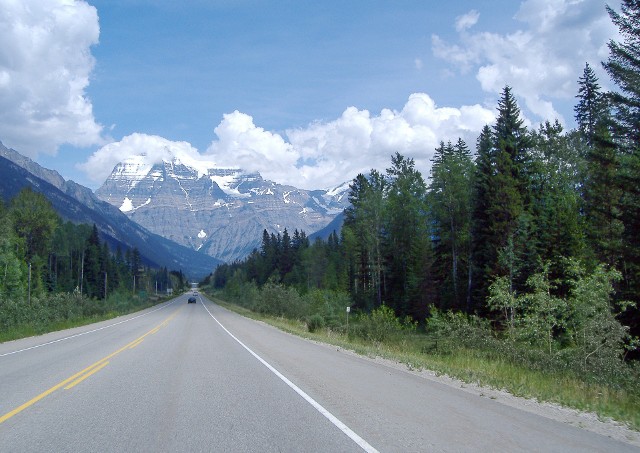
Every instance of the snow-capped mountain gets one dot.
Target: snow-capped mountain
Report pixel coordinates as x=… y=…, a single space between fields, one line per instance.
x=78 y=204
x=221 y=212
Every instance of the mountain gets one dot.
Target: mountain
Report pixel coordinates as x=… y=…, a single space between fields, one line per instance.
x=219 y=211
x=78 y=204
x=335 y=225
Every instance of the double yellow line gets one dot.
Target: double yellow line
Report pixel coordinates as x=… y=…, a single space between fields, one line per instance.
x=80 y=376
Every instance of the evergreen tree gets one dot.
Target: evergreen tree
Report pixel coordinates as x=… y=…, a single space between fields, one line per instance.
x=450 y=194
x=93 y=277
x=502 y=227
x=363 y=239
x=483 y=253
x=286 y=259
x=591 y=108
x=408 y=247
x=623 y=66
x=558 y=226
x=603 y=196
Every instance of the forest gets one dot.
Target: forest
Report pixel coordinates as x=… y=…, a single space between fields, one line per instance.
x=525 y=242
x=55 y=273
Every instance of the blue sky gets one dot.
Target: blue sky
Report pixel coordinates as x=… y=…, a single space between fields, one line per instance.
x=307 y=93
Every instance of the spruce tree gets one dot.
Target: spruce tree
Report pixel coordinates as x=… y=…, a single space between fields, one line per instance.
x=591 y=108
x=408 y=249
x=502 y=224
x=450 y=194
x=623 y=66
x=483 y=252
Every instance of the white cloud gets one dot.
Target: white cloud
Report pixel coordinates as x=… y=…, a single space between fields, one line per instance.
x=321 y=155
x=467 y=20
x=152 y=148
x=45 y=63
x=242 y=144
x=543 y=60
x=419 y=64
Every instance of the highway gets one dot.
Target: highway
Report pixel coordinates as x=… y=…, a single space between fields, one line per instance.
x=196 y=377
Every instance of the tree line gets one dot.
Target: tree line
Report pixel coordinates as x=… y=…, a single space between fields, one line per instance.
x=45 y=262
x=527 y=213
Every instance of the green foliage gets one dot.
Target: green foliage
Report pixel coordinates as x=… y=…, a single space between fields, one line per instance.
x=59 y=274
x=329 y=305
x=455 y=330
x=315 y=322
x=47 y=312
x=381 y=325
x=600 y=339
x=34 y=221
x=591 y=108
x=278 y=300
x=451 y=192
x=579 y=332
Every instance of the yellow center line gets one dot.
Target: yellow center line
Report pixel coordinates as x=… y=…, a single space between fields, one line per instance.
x=136 y=343
x=89 y=370
x=83 y=377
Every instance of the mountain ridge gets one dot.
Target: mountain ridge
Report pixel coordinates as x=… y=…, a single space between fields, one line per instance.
x=219 y=211
x=78 y=204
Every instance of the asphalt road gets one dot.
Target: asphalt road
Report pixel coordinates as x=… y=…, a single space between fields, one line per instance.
x=195 y=377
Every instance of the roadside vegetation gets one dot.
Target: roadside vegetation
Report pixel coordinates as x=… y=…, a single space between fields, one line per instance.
x=56 y=275
x=516 y=266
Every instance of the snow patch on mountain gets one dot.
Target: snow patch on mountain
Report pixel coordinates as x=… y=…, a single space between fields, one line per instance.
x=127 y=205
x=226 y=181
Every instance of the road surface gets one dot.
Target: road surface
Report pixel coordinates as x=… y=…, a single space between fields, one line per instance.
x=196 y=377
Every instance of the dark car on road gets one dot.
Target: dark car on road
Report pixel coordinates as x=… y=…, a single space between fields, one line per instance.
x=192 y=300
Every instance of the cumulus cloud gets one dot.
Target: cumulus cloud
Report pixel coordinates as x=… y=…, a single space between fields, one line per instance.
x=242 y=144
x=45 y=63
x=321 y=155
x=467 y=21
x=543 y=60
x=357 y=141
x=152 y=148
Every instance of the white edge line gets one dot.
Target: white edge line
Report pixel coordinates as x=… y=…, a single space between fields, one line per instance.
x=332 y=418
x=84 y=333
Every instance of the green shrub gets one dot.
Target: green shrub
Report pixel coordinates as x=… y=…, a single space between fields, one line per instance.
x=278 y=300
x=454 y=330
x=381 y=325
x=315 y=322
x=330 y=305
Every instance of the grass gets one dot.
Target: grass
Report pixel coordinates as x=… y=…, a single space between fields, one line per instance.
x=474 y=366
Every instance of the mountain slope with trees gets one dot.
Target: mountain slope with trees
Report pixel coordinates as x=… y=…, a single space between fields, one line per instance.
x=78 y=205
